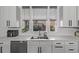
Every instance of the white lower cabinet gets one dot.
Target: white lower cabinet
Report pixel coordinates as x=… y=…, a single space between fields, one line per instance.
x=64 y=46
x=57 y=46
x=39 y=46
x=52 y=46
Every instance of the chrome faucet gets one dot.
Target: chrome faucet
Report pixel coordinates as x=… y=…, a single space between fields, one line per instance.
x=39 y=31
x=39 y=34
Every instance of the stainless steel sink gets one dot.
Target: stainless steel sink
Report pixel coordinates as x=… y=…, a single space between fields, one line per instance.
x=39 y=37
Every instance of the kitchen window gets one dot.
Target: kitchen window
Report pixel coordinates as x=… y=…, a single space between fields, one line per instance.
x=25 y=26
x=52 y=25
x=39 y=25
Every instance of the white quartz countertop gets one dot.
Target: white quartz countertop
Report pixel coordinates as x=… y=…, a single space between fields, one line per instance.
x=24 y=37
x=63 y=38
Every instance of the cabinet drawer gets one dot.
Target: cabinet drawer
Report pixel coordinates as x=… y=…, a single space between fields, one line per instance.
x=58 y=49
x=71 y=43
x=71 y=49
x=59 y=43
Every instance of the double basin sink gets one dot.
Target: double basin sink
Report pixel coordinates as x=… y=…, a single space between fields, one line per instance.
x=39 y=37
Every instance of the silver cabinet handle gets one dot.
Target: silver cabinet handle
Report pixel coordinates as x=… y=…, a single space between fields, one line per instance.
x=58 y=46
x=1 y=43
x=1 y=49
x=70 y=22
x=58 y=43
x=8 y=23
x=71 y=49
x=38 y=50
x=78 y=23
x=71 y=43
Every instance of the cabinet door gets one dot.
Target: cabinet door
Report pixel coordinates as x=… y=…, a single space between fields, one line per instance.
x=45 y=46
x=33 y=46
x=12 y=16
x=26 y=14
x=3 y=17
x=53 y=13
x=77 y=16
x=69 y=16
x=39 y=13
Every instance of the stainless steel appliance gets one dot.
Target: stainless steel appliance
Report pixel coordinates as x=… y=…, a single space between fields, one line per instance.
x=12 y=33
x=18 y=47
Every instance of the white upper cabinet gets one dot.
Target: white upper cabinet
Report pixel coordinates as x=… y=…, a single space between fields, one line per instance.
x=26 y=12
x=69 y=16
x=77 y=16
x=39 y=12
x=53 y=12
x=3 y=17
x=78 y=12
x=13 y=16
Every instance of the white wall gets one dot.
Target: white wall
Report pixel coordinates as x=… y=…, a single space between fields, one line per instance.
x=3 y=18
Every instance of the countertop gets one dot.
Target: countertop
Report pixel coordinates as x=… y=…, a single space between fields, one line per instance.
x=64 y=38
x=21 y=37
x=24 y=37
